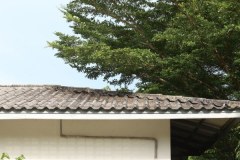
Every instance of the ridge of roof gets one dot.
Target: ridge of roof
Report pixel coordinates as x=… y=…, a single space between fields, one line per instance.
x=87 y=89
x=75 y=89
x=106 y=92
x=51 y=86
x=28 y=85
x=44 y=85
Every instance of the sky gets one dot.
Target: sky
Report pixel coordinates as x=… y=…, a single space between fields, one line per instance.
x=26 y=26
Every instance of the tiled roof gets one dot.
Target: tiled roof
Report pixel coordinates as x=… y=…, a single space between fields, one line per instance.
x=188 y=137
x=60 y=98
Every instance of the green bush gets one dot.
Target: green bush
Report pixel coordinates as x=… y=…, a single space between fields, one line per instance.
x=5 y=156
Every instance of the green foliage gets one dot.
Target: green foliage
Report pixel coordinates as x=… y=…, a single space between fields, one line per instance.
x=172 y=47
x=228 y=148
x=5 y=156
x=107 y=88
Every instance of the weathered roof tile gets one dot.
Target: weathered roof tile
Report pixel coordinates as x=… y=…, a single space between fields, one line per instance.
x=29 y=97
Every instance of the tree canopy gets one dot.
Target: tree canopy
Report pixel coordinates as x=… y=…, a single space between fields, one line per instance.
x=179 y=47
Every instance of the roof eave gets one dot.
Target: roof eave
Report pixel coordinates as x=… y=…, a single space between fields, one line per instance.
x=120 y=116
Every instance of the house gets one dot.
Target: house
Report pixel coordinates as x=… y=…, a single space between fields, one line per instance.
x=59 y=123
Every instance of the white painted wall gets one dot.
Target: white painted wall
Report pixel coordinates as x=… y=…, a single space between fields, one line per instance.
x=40 y=139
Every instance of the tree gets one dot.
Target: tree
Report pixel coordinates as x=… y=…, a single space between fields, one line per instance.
x=172 y=46
x=177 y=47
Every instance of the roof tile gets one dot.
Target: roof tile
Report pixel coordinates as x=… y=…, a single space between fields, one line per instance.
x=30 y=97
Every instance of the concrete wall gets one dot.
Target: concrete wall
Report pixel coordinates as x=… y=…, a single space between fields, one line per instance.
x=40 y=139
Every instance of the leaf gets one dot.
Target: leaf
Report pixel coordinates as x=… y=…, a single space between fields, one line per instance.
x=21 y=157
x=4 y=156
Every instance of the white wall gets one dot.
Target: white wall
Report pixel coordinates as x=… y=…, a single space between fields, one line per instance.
x=40 y=139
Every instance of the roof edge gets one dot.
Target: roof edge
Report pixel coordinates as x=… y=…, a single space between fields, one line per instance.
x=90 y=116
